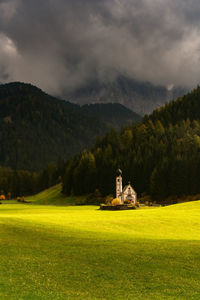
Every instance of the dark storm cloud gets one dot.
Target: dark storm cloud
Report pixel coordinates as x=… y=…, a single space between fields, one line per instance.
x=57 y=44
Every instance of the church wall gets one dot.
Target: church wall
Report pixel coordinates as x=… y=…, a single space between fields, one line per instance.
x=127 y=192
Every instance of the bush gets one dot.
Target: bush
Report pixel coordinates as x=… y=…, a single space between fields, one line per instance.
x=94 y=198
x=116 y=201
x=81 y=201
x=145 y=199
x=108 y=199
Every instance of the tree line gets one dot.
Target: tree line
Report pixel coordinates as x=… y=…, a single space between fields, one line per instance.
x=18 y=183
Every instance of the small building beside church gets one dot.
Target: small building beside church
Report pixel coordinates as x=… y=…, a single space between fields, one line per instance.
x=126 y=194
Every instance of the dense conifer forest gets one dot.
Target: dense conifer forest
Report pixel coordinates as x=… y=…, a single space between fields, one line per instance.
x=160 y=156
x=17 y=183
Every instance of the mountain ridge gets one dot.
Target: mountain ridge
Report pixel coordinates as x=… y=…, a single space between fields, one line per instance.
x=36 y=128
x=141 y=97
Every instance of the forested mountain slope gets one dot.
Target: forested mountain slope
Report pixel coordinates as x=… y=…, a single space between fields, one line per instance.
x=160 y=156
x=186 y=107
x=36 y=128
x=112 y=114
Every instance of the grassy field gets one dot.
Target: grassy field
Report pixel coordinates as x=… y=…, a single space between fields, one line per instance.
x=70 y=252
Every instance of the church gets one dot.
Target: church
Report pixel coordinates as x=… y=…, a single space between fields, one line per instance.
x=126 y=194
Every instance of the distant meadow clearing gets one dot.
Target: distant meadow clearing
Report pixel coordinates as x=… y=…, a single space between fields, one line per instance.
x=80 y=252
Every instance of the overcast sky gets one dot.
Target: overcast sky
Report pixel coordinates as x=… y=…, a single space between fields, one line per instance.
x=57 y=44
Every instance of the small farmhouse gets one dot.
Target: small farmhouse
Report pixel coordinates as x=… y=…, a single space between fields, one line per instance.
x=126 y=194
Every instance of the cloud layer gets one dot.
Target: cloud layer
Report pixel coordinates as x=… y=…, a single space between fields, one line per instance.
x=59 y=44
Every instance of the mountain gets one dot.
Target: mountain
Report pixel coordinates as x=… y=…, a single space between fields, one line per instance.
x=141 y=97
x=36 y=128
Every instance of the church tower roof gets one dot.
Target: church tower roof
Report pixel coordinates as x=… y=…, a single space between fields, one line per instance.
x=119 y=172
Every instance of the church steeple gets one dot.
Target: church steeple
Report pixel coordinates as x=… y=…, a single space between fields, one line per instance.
x=119 y=184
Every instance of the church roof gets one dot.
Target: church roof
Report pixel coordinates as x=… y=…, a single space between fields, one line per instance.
x=126 y=187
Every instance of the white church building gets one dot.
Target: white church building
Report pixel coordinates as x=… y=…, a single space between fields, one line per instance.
x=127 y=193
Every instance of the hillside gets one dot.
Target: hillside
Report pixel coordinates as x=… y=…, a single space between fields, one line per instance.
x=186 y=107
x=36 y=128
x=160 y=156
x=50 y=252
x=112 y=114
x=53 y=196
x=141 y=97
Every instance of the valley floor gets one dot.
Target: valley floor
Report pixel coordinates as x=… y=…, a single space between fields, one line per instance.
x=51 y=252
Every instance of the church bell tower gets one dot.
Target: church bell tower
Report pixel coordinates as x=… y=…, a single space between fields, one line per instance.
x=119 y=184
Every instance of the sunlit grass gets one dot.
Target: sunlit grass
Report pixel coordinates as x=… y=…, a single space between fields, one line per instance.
x=52 y=252
x=54 y=196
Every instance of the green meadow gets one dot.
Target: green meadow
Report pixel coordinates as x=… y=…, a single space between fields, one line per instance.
x=79 y=252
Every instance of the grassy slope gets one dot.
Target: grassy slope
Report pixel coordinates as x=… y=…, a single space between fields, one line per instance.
x=50 y=252
x=53 y=196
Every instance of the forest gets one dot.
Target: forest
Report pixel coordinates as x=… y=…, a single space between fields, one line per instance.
x=18 y=183
x=160 y=156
